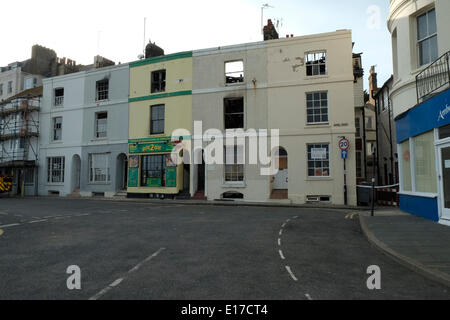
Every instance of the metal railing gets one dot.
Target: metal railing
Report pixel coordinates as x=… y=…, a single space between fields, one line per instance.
x=433 y=78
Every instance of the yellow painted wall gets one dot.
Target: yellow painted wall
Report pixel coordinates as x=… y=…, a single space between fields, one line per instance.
x=178 y=77
x=178 y=114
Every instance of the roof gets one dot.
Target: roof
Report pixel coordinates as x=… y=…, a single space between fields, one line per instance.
x=29 y=93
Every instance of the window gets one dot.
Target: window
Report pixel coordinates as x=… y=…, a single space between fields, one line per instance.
x=406 y=166
x=57 y=128
x=153 y=173
x=101 y=124
x=55 y=169
x=234 y=113
x=99 y=168
x=318 y=160
x=1 y=89
x=102 y=90
x=59 y=96
x=427 y=37
x=158 y=81
x=21 y=143
x=317 y=107
x=10 y=87
x=316 y=64
x=369 y=123
x=30 y=83
x=234 y=72
x=157 y=119
x=424 y=163
x=234 y=163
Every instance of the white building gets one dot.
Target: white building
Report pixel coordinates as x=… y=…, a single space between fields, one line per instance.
x=421 y=102
x=302 y=86
x=85 y=137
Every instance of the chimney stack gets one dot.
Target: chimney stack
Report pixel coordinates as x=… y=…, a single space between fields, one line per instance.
x=270 y=33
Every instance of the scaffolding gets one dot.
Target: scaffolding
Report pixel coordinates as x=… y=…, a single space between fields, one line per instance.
x=19 y=137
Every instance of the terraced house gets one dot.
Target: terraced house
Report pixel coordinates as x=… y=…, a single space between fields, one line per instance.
x=83 y=141
x=160 y=102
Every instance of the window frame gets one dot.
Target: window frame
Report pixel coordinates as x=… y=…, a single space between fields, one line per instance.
x=237 y=167
x=92 y=167
x=427 y=37
x=316 y=63
x=152 y=121
x=97 y=132
x=102 y=93
x=54 y=128
x=313 y=93
x=160 y=83
x=58 y=101
x=241 y=80
x=318 y=145
x=51 y=169
x=225 y=113
x=143 y=175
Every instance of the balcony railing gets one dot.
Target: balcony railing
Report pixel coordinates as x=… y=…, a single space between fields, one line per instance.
x=436 y=76
x=59 y=101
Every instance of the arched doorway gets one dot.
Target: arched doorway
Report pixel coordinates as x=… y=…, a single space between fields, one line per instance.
x=122 y=171
x=280 y=179
x=76 y=173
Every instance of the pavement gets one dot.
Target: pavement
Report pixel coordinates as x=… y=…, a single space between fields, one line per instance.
x=418 y=244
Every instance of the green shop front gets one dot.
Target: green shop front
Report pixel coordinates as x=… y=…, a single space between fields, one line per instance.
x=151 y=169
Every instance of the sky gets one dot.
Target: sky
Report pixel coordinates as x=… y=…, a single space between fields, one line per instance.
x=81 y=29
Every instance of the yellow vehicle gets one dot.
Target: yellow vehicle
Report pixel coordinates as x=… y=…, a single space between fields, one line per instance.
x=6 y=183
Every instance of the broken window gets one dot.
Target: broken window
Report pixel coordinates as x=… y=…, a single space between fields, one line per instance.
x=234 y=113
x=57 y=128
x=101 y=119
x=234 y=72
x=59 y=96
x=316 y=64
x=102 y=90
x=158 y=81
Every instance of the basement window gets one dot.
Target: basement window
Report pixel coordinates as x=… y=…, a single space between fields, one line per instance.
x=316 y=63
x=232 y=195
x=234 y=72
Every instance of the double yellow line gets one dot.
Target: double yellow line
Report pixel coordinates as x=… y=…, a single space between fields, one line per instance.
x=351 y=215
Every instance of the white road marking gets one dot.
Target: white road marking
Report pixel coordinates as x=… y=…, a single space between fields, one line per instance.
x=281 y=254
x=82 y=215
x=279 y=242
x=36 y=221
x=296 y=217
x=283 y=225
x=288 y=220
x=118 y=281
x=10 y=225
x=281 y=232
x=308 y=297
x=290 y=273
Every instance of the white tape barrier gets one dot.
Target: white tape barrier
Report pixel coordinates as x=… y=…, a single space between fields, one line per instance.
x=380 y=187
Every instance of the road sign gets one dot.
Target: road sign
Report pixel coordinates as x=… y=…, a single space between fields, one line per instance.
x=344 y=144
x=344 y=154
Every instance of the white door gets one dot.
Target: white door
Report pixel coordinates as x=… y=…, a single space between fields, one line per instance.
x=444 y=180
x=281 y=180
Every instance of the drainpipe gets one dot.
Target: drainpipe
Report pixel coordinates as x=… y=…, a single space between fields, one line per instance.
x=364 y=141
x=390 y=137
x=377 y=155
